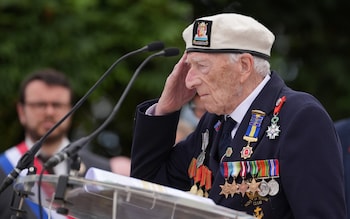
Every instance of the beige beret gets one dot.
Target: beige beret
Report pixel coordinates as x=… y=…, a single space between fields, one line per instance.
x=228 y=32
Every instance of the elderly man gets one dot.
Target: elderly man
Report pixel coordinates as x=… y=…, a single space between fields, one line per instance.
x=261 y=148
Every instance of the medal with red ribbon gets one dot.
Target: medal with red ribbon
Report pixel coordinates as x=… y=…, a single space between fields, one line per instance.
x=253 y=184
x=225 y=171
x=201 y=175
x=274 y=129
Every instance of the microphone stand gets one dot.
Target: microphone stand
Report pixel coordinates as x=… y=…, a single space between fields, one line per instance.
x=73 y=148
x=26 y=161
x=18 y=213
x=28 y=157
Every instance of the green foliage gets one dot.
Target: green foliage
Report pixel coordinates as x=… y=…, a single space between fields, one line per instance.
x=83 y=38
x=312 y=45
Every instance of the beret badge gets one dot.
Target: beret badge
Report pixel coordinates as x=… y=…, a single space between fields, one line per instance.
x=201 y=33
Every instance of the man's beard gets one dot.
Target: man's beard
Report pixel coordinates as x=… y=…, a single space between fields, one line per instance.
x=53 y=137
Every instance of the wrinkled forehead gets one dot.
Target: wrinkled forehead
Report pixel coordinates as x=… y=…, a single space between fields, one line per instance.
x=206 y=57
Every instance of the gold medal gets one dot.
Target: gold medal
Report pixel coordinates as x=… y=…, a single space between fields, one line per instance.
x=194 y=189
x=225 y=189
x=200 y=192
x=233 y=188
x=253 y=186
x=243 y=187
x=206 y=194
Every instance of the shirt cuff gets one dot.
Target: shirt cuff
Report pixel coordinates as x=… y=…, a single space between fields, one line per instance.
x=151 y=110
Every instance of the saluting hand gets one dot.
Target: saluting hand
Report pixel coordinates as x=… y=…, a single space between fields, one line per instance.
x=175 y=93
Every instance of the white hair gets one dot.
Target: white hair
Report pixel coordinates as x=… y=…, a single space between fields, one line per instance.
x=261 y=66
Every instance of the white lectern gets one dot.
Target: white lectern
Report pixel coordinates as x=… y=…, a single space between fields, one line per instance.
x=87 y=199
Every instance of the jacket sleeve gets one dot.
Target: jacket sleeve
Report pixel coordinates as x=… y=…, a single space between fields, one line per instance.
x=153 y=157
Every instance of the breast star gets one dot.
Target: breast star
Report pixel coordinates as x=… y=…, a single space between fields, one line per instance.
x=225 y=189
x=253 y=186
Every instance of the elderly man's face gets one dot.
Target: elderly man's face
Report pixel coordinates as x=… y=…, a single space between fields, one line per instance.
x=217 y=81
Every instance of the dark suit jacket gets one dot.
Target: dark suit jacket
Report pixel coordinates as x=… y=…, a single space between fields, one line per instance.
x=311 y=182
x=343 y=129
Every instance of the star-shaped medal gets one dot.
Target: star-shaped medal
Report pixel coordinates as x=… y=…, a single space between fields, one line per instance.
x=225 y=189
x=273 y=131
x=233 y=188
x=242 y=188
x=254 y=186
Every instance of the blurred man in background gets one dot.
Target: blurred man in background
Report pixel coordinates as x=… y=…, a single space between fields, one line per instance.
x=44 y=98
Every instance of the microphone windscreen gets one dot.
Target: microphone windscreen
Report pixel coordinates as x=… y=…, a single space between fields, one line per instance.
x=171 y=52
x=155 y=46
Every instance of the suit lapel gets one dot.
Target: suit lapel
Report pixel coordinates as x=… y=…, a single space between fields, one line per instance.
x=265 y=103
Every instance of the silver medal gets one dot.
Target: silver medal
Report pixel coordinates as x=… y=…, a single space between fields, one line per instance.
x=205 y=142
x=200 y=159
x=264 y=188
x=274 y=187
x=273 y=131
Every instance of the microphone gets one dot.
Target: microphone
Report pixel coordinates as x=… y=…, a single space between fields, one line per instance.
x=74 y=147
x=27 y=159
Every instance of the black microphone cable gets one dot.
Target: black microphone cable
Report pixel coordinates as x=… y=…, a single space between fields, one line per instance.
x=74 y=147
x=27 y=159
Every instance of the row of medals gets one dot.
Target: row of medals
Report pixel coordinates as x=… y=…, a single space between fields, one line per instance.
x=250 y=187
x=262 y=186
x=247 y=186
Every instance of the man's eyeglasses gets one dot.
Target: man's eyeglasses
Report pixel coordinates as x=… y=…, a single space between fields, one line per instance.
x=41 y=106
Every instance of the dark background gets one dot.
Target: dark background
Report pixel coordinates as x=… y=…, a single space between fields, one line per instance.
x=84 y=37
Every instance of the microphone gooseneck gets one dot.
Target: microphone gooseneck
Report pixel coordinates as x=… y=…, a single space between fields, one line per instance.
x=27 y=159
x=74 y=147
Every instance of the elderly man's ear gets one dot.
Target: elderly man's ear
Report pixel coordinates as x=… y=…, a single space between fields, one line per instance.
x=246 y=62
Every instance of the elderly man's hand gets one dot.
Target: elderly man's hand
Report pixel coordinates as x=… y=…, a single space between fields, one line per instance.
x=175 y=93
